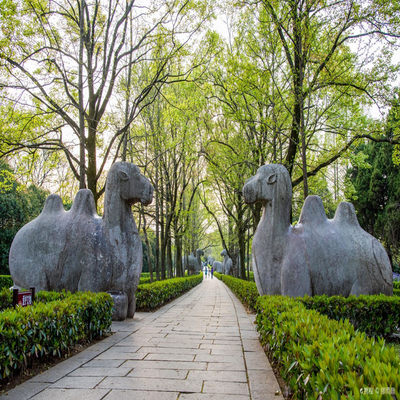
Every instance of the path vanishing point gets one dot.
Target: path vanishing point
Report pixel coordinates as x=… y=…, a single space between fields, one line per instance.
x=203 y=345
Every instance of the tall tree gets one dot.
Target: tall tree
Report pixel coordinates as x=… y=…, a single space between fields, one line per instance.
x=316 y=63
x=375 y=187
x=66 y=59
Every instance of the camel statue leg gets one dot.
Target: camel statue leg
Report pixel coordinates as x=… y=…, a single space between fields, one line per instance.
x=131 y=304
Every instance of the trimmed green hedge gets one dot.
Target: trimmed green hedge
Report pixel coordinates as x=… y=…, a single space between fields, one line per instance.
x=323 y=358
x=42 y=297
x=396 y=285
x=6 y=281
x=246 y=291
x=153 y=295
x=377 y=315
x=51 y=328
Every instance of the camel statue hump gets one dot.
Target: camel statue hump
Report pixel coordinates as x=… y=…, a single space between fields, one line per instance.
x=84 y=204
x=346 y=214
x=313 y=212
x=53 y=205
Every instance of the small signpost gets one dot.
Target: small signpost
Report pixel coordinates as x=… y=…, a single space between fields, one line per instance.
x=25 y=298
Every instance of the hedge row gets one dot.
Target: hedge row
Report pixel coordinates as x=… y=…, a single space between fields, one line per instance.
x=322 y=358
x=396 y=285
x=375 y=315
x=5 y=281
x=42 y=296
x=153 y=295
x=51 y=328
x=246 y=291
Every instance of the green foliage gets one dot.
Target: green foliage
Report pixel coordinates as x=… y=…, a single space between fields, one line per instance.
x=322 y=358
x=18 y=206
x=5 y=281
x=374 y=315
x=246 y=291
x=5 y=298
x=375 y=186
x=143 y=281
x=153 y=295
x=51 y=328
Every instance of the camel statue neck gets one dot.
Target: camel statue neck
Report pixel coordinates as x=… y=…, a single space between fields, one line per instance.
x=117 y=213
x=276 y=214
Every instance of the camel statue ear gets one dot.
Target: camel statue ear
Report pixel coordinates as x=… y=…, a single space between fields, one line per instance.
x=271 y=179
x=123 y=175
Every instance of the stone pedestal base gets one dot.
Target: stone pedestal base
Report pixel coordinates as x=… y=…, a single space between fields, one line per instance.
x=120 y=307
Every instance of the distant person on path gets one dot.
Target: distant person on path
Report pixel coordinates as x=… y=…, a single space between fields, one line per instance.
x=212 y=272
x=205 y=272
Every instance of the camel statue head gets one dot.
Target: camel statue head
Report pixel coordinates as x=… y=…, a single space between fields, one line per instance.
x=131 y=184
x=271 y=182
x=224 y=253
x=199 y=253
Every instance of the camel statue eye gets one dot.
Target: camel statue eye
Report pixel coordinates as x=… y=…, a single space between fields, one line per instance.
x=271 y=179
x=123 y=175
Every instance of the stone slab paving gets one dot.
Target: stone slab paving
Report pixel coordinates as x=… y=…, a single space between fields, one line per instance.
x=201 y=346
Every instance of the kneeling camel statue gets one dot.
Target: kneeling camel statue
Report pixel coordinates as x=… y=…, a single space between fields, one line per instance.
x=318 y=255
x=78 y=250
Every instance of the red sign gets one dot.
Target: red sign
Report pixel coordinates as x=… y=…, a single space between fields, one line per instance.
x=25 y=299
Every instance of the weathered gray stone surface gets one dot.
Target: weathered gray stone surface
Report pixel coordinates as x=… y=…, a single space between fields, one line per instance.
x=227 y=264
x=193 y=262
x=218 y=266
x=318 y=255
x=78 y=250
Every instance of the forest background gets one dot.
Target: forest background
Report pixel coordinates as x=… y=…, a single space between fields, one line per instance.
x=199 y=94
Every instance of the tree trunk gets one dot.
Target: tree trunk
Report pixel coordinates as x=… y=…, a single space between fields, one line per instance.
x=157 y=195
x=92 y=167
x=169 y=257
x=178 y=252
x=149 y=250
x=82 y=138
x=162 y=228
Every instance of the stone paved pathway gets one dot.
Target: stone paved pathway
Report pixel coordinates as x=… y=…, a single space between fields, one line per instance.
x=201 y=346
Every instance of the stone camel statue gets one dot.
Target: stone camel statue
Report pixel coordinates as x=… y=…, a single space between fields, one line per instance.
x=318 y=255
x=78 y=250
x=227 y=264
x=193 y=262
x=218 y=266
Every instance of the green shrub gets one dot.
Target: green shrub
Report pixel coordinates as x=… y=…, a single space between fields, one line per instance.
x=375 y=315
x=6 y=281
x=246 y=291
x=396 y=285
x=5 y=298
x=143 y=281
x=396 y=292
x=51 y=328
x=323 y=358
x=153 y=295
